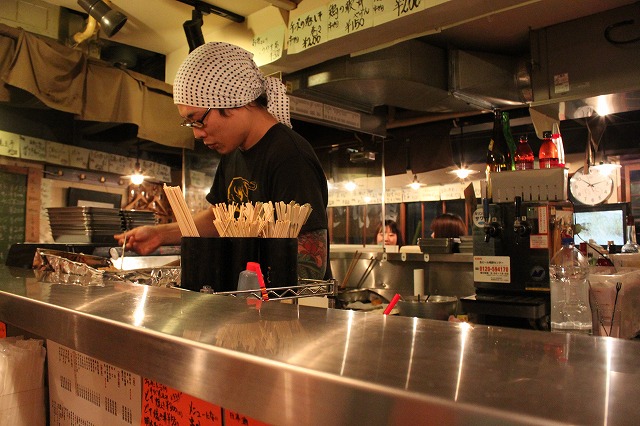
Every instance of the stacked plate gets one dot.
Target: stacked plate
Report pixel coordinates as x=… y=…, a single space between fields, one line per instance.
x=134 y=218
x=84 y=224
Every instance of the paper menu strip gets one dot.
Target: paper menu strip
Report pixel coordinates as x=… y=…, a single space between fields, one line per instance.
x=85 y=390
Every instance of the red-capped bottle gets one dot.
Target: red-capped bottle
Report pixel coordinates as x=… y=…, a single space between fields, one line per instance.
x=524 y=155
x=548 y=155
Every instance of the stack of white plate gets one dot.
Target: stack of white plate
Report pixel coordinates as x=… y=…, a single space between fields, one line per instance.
x=84 y=224
x=134 y=218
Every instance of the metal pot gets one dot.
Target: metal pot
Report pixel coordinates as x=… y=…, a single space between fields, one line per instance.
x=343 y=298
x=435 y=307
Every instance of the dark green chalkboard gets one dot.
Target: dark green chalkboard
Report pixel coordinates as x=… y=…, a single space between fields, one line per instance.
x=13 y=207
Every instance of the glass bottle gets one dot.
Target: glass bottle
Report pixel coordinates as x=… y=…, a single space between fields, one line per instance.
x=569 y=284
x=524 y=155
x=510 y=144
x=556 y=137
x=631 y=246
x=548 y=154
x=496 y=152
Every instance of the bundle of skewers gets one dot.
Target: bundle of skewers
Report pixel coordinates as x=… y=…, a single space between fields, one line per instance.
x=267 y=220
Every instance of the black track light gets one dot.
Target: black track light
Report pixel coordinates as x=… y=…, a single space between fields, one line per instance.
x=193 y=30
x=110 y=20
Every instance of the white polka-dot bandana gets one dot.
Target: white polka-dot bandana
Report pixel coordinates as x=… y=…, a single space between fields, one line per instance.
x=221 y=75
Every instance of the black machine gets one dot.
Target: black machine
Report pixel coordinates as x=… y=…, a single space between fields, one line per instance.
x=513 y=242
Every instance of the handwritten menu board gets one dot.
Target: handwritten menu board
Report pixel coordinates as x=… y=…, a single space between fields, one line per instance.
x=79 y=157
x=388 y=10
x=98 y=161
x=86 y=391
x=9 y=144
x=347 y=16
x=162 y=405
x=268 y=46
x=148 y=167
x=33 y=148
x=231 y=418
x=58 y=153
x=118 y=164
x=13 y=205
x=393 y=196
x=306 y=30
x=338 y=18
x=163 y=172
x=341 y=197
x=452 y=191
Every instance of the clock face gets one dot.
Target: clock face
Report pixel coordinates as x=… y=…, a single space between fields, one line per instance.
x=592 y=188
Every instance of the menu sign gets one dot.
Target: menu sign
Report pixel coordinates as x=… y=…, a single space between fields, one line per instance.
x=84 y=390
x=79 y=157
x=164 y=405
x=33 y=149
x=348 y=16
x=267 y=47
x=9 y=144
x=306 y=30
x=58 y=153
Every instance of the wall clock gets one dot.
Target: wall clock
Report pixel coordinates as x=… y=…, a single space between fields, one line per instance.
x=592 y=188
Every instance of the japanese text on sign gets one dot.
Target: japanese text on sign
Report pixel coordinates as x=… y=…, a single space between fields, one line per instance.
x=164 y=405
x=492 y=269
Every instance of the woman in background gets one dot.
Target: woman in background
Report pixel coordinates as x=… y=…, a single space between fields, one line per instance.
x=391 y=235
x=448 y=225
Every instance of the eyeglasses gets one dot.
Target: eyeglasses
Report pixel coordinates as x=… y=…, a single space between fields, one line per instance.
x=198 y=124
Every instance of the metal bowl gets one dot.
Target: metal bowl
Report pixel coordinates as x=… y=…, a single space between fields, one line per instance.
x=344 y=298
x=436 y=307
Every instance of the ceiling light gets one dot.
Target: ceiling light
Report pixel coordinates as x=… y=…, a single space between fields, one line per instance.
x=415 y=184
x=463 y=172
x=110 y=20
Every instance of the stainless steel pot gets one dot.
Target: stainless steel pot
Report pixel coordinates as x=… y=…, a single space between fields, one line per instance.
x=364 y=295
x=435 y=307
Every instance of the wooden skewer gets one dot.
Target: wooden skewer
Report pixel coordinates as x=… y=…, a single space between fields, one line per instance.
x=350 y=269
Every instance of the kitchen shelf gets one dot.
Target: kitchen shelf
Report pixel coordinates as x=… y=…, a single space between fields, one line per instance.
x=305 y=288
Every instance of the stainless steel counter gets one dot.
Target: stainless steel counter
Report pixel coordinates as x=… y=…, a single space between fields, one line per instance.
x=289 y=364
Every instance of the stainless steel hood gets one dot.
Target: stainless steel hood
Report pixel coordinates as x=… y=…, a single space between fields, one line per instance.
x=588 y=66
x=414 y=76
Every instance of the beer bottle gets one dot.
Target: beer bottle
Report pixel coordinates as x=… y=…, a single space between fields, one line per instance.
x=510 y=144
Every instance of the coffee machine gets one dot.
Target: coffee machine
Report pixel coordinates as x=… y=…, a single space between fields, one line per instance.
x=516 y=232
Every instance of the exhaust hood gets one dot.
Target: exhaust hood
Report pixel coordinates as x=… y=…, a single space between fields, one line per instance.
x=414 y=76
x=588 y=66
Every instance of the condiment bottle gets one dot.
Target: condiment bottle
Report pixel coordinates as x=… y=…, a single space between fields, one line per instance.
x=524 y=155
x=548 y=155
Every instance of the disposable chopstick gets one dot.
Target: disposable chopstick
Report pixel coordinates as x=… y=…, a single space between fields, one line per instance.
x=181 y=211
x=351 y=267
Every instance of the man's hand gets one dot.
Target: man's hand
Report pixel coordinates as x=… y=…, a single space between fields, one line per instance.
x=143 y=240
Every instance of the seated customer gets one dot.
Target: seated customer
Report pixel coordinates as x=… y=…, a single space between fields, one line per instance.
x=391 y=235
x=448 y=225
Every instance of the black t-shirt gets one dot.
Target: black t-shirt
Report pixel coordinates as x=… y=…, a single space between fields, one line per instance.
x=282 y=166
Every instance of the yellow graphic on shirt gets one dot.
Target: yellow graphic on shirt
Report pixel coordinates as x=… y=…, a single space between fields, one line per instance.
x=238 y=191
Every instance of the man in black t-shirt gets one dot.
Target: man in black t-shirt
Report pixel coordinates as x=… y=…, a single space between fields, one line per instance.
x=234 y=110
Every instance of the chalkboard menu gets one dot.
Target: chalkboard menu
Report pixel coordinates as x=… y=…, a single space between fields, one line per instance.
x=13 y=206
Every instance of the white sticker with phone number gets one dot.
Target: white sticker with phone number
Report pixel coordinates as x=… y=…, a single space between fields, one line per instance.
x=492 y=269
